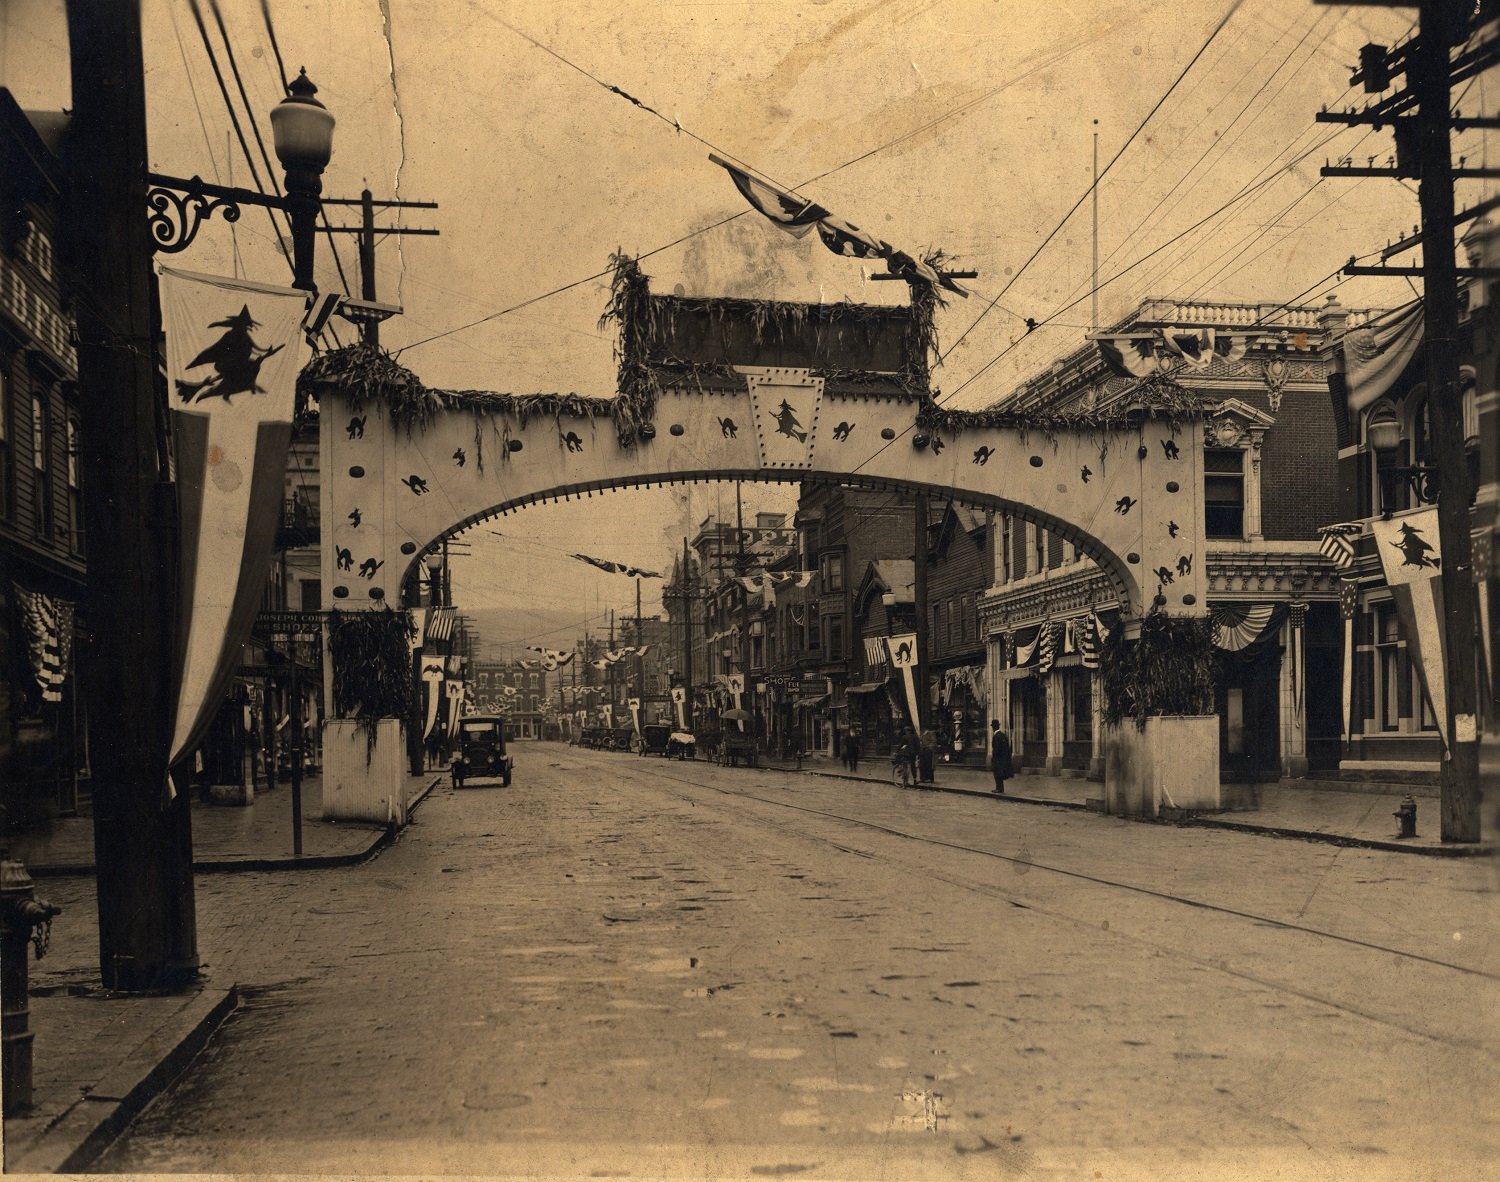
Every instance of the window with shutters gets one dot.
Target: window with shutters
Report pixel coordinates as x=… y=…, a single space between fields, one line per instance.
x=1224 y=493
x=41 y=443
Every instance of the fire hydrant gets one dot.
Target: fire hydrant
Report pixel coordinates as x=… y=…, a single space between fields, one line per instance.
x=24 y=919
x=1406 y=813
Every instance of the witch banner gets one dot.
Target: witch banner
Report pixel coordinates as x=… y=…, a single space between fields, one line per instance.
x=1412 y=561
x=234 y=349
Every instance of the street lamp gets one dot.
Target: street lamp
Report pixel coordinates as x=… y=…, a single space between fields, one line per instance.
x=1383 y=433
x=302 y=129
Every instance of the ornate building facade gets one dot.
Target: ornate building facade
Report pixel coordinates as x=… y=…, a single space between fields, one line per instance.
x=1270 y=439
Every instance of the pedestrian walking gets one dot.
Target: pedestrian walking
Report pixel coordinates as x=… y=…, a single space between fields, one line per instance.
x=851 y=751
x=908 y=750
x=1000 y=763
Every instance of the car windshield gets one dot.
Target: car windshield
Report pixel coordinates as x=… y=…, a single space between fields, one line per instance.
x=480 y=732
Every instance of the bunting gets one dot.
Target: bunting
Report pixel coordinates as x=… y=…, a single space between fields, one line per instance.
x=617 y=568
x=1236 y=627
x=49 y=639
x=1377 y=352
x=1338 y=542
x=1140 y=354
x=797 y=216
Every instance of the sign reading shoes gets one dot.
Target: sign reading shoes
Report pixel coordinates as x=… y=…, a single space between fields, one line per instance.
x=785 y=404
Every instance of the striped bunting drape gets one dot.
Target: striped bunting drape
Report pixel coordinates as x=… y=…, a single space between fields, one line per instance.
x=1338 y=542
x=49 y=639
x=1238 y=627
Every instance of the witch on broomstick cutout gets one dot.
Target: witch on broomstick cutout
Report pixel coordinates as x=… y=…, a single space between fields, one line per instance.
x=236 y=359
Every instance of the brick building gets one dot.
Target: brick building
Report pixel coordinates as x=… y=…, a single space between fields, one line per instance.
x=1270 y=439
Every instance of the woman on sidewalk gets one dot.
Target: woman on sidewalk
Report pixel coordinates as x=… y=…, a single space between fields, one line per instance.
x=1000 y=763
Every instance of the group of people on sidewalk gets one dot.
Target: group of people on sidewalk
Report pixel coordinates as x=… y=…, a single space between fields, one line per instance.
x=915 y=753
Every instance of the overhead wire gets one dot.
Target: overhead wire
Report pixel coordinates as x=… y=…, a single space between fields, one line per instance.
x=1094 y=184
x=952 y=113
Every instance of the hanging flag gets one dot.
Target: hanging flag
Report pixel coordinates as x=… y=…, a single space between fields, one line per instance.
x=617 y=568
x=796 y=216
x=1338 y=542
x=1412 y=560
x=432 y=678
x=234 y=349
x=439 y=625
x=1377 y=352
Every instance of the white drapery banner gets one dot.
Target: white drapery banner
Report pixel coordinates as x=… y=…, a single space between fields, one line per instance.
x=432 y=680
x=1412 y=559
x=904 y=657
x=234 y=349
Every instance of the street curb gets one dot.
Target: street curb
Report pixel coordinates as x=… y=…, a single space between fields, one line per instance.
x=92 y=1124
x=1366 y=843
x=383 y=835
x=1340 y=839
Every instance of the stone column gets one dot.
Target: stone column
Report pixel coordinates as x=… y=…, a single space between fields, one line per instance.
x=1096 y=706
x=1054 y=707
x=1294 y=695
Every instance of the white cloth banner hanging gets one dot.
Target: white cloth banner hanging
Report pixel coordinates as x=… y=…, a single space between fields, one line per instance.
x=234 y=349
x=904 y=656
x=1412 y=561
x=432 y=679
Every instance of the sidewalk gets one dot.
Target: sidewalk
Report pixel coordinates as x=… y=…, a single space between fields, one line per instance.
x=1356 y=814
x=227 y=837
x=103 y=1057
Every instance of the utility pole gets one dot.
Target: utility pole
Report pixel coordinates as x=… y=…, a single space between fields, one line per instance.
x=1424 y=150
x=919 y=595
x=369 y=315
x=687 y=637
x=142 y=833
x=640 y=661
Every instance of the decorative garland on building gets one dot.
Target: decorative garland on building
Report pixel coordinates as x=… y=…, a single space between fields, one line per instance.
x=371 y=653
x=1169 y=670
x=1158 y=396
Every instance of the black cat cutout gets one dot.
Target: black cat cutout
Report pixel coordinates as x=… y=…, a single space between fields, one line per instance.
x=417 y=485
x=841 y=432
x=728 y=429
x=982 y=455
x=343 y=558
x=1169 y=449
x=1124 y=505
x=356 y=427
x=368 y=567
x=572 y=441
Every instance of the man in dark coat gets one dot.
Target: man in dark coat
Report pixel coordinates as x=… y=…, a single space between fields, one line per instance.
x=1000 y=763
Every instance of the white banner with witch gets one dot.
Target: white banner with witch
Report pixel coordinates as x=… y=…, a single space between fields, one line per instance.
x=1412 y=560
x=234 y=349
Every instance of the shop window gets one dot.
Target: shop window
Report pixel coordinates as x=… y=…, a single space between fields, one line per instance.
x=1078 y=705
x=1389 y=659
x=312 y=595
x=1224 y=493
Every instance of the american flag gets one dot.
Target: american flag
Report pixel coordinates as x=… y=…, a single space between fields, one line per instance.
x=439 y=623
x=1338 y=542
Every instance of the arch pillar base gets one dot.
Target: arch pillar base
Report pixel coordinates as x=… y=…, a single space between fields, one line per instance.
x=361 y=782
x=1173 y=763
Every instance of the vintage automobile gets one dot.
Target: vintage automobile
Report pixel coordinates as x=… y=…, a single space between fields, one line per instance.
x=657 y=738
x=481 y=750
x=621 y=738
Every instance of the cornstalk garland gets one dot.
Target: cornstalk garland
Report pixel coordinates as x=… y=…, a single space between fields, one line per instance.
x=371 y=667
x=1169 y=670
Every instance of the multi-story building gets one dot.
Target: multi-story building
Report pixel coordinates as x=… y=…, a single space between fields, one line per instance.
x=1385 y=460
x=1271 y=438
x=44 y=752
x=960 y=565
x=517 y=689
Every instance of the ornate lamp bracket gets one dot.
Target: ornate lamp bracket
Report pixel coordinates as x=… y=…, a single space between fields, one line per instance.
x=179 y=206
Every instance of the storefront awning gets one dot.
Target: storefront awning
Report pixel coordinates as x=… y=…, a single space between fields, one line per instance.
x=813 y=701
x=868 y=687
x=1015 y=674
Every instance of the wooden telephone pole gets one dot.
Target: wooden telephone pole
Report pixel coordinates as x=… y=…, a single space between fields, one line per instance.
x=142 y=834
x=1422 y=122
x=368 y=314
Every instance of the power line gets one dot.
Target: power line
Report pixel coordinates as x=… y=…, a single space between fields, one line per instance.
x=1084 y=196
x=954 y=112
x=265 y=12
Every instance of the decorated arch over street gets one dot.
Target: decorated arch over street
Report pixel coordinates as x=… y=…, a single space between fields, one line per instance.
x=731 y=389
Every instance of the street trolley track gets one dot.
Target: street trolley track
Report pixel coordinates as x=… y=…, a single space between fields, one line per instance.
x=654 y=777
x=1031 y=864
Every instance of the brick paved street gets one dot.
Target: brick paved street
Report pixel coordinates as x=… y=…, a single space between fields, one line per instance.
x=629 y=967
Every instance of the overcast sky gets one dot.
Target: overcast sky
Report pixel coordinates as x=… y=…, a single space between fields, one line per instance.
x=961 y=124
